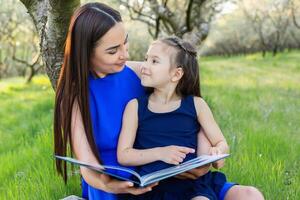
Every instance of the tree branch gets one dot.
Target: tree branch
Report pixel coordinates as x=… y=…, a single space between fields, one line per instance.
x=188 y=15
x=294 y=15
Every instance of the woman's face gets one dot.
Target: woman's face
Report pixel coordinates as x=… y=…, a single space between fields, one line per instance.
x=111 y=53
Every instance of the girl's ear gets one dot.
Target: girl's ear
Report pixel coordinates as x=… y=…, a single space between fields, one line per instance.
x=178 y=73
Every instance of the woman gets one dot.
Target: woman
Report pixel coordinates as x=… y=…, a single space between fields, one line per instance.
x=93 y=89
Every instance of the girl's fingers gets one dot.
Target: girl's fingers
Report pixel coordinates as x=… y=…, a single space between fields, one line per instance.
x=174 y=161
x=178 y=159
x=186 y=150
x=181 y=155
x=213 y=151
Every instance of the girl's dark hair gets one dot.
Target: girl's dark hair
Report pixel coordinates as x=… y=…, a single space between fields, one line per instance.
x=186 y=58
x=88 y=24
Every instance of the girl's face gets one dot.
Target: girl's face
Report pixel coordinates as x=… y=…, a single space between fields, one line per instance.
x=111 y=52
x=156 y=70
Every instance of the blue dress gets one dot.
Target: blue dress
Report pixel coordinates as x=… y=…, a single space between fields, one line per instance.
x=108 y=98
x=178 y=127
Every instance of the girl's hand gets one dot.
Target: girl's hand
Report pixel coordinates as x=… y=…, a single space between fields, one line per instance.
x=173 y=154
x=120 y=187
x=220 y=163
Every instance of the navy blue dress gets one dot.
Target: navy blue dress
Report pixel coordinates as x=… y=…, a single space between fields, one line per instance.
x=178 y=127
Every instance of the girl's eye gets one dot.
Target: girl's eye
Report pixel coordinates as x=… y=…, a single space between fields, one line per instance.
x=145 y=59
x=154 y=61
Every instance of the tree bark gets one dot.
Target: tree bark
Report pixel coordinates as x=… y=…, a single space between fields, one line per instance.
x=51 y=19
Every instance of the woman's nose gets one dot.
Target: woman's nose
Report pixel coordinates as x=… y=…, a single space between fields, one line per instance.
x=124 y=53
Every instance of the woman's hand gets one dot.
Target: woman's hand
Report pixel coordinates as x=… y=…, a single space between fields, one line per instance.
x=220 y=163
x=173 y=154
x=120 y=187
x=195 y=173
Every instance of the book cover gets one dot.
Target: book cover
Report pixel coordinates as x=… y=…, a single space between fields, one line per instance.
x=152 y=177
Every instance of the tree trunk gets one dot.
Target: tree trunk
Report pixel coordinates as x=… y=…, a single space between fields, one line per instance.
x=31 y=74
x=263 y=53
x=275 y=51
x=51 y=19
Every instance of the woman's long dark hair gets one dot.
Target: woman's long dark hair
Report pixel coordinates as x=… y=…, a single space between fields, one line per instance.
x=186 y=58
x=88 y=24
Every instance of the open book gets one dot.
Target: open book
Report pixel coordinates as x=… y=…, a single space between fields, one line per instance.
x=150 y=178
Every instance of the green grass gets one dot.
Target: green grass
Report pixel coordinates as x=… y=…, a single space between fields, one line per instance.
x=257 y=104
x=255 y=101
x=27 y=168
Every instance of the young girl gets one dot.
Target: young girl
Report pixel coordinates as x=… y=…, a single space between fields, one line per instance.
x=161 y=129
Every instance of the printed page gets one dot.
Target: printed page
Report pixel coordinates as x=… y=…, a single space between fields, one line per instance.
x=183 y=167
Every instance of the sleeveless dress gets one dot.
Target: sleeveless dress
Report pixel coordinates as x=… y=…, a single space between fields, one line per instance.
x=108 y=97
x=178 y=127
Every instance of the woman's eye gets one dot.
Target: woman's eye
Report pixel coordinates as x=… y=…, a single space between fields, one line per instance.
x=145 y=59
x=112 y=52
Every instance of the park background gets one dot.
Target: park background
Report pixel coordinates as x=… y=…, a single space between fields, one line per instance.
x=249 y=53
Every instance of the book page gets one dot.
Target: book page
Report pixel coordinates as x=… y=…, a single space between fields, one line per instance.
x=183 y=167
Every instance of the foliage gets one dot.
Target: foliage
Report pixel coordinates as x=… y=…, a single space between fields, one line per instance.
x=189 y=19
x=254 y=100
x=18 y=40
x=254 y=26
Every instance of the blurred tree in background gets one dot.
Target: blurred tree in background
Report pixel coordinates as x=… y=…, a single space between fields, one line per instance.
x=295 y=9
x=255 y=26
x=187 y=19
x=19 y=52
x=35 y=29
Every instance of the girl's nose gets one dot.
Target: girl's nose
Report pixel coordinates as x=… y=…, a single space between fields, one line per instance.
x=143 y=67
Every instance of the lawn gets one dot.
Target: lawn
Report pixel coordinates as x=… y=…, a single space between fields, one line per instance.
x=255 y=100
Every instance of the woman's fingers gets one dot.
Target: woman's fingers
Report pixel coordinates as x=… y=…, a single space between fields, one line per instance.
x=186 y=175
x=200 y=171
x=219 y=164
x=123 y=185
x=138 y=191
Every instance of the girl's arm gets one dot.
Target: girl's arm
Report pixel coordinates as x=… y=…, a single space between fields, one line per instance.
x=83 y=152
x=129 y=156
x=210 y=127
x=135 y=66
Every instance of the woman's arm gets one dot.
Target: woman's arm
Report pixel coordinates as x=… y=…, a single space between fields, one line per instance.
x=203 y=144
x=204 y=147
x=83 y=152
x=210 y=127
x=135 y=66
x=129 y=156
